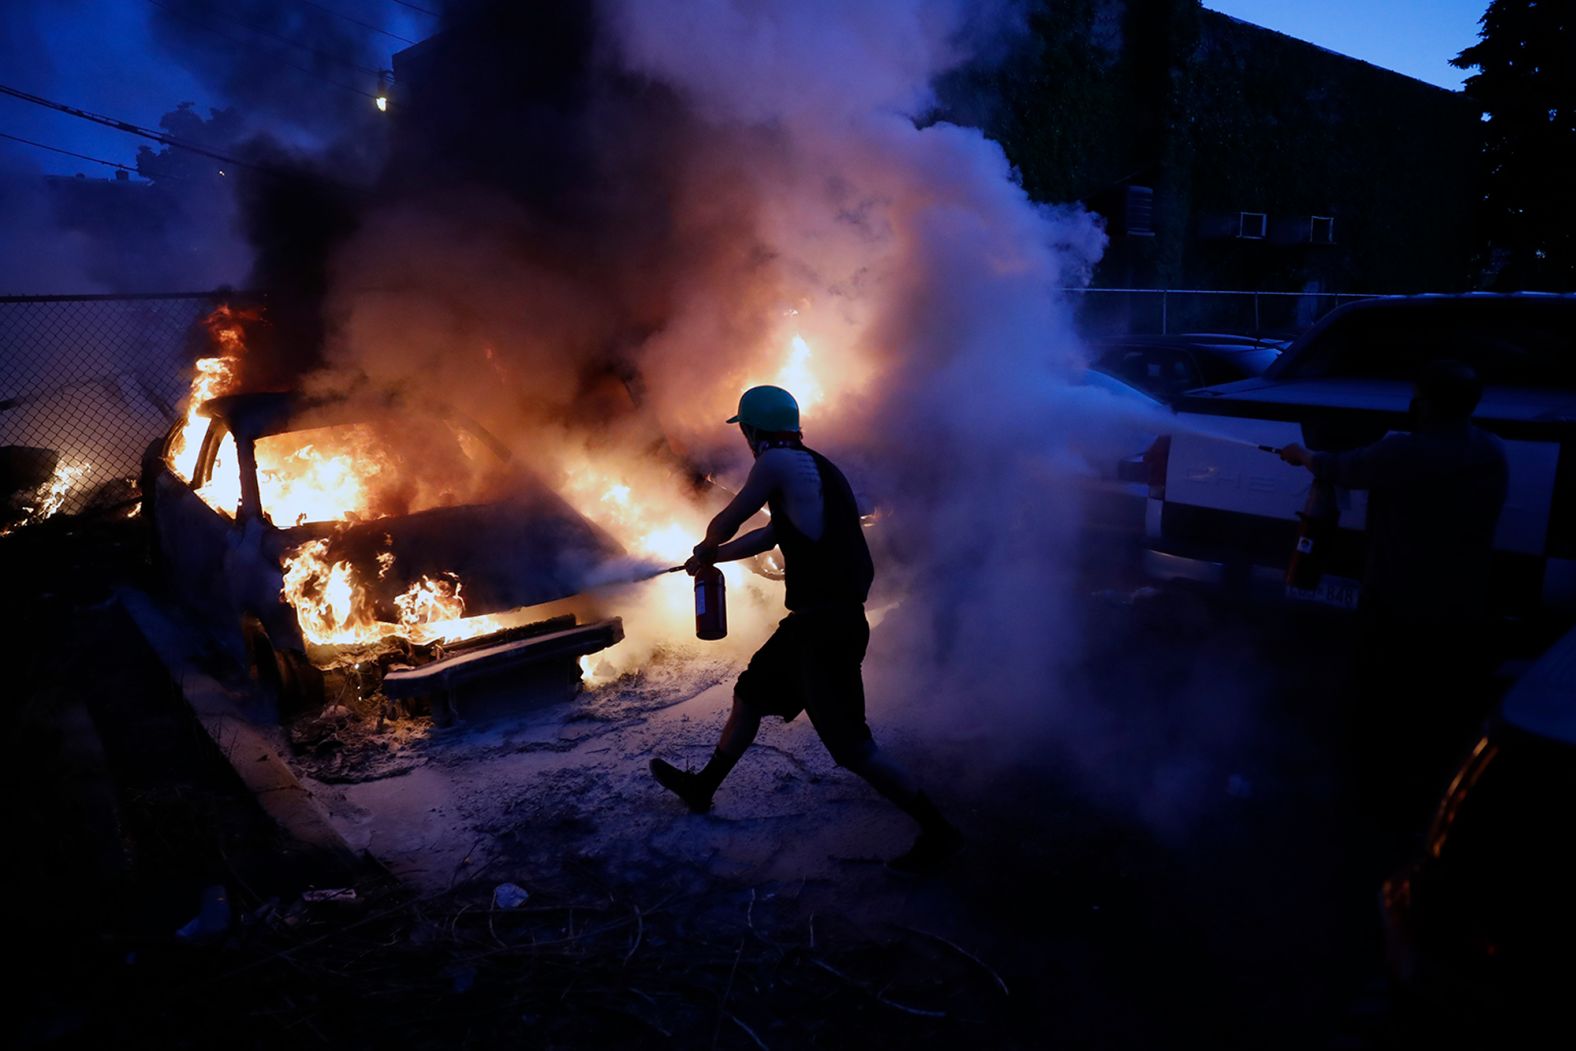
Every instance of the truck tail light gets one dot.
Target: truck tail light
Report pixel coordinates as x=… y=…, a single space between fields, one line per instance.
x=1156 y=457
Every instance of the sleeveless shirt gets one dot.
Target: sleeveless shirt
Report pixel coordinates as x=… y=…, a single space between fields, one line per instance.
x=834 y=571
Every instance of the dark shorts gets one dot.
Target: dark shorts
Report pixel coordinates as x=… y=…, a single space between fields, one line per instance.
x=812 y=664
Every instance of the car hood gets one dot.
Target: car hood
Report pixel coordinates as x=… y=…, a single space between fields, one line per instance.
x=529 y=549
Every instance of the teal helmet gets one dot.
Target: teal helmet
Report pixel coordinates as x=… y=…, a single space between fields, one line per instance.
x=768 y=409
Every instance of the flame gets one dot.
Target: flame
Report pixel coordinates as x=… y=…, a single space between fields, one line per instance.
x=796 y=375
x=215 y=376
x=222 y=491
x=51 y=496
x=335 y=607
x=647 y=510
x=323 y=480
x=357 y=472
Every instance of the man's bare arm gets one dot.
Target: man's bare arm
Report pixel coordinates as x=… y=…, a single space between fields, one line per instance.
x=757 y=487
x=1382 y=463
x=752 y=543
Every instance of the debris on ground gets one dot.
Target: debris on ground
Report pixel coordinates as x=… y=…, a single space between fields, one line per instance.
x=330 y=896
x=212 y=921
x=356 y=739
x=510 y=896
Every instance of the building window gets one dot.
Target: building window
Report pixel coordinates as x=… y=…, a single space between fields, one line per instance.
x=1252 y=225
x=1321 y=230
x=1139 y=212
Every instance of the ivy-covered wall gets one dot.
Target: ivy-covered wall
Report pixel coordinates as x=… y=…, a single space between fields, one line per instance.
x=1221 y=117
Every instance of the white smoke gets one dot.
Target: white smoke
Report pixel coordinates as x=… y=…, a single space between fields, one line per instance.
x=793 y=191
x=941 y=278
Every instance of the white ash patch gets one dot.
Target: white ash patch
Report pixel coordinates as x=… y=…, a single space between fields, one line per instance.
x=563 y=784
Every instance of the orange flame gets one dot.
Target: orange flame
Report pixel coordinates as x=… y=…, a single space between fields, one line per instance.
x=214 y=376
x=335 y=607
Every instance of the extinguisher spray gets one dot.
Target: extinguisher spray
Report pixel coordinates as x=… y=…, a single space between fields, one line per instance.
x=1315 y=530
x=711 y=606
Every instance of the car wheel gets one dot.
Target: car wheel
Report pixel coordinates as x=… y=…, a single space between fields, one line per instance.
x=285 y=675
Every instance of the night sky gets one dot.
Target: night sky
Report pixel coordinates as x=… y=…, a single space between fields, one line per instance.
x=108 y=56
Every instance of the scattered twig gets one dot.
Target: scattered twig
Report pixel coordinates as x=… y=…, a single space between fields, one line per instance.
x=722 y=1008
x=885 y=1001
x=961 y=951
x=640 y=933
x=748 y=1032
x=465 y=860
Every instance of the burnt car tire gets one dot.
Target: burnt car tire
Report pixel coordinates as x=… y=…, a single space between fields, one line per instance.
x=285 y=675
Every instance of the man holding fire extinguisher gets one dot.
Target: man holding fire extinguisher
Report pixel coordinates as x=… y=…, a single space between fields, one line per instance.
x=1434 y=500
x=812 y=662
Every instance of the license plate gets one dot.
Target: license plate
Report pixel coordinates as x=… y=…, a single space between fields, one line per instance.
x=1340 y=592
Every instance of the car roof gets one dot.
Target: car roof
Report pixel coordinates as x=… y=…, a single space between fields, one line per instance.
x=1102 y=380
x=1543 y=700
x=258 y=414
x=1428 y=302
x=1214 y=342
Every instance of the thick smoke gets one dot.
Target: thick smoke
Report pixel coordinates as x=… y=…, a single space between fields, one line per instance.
x=602 y=223
x=705 y=183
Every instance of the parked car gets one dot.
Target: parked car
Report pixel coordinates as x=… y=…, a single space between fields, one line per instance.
x=1482 y=923
x=1115 y=495
x=1164 y=367
x=400 y=526
x=1224 y=512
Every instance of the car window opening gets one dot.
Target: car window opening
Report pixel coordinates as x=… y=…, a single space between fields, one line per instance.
x=367 y=470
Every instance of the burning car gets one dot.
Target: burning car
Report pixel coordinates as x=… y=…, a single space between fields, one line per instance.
x=395 y=545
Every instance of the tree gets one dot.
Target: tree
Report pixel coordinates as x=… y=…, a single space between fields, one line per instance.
x=1525 y=85
x=183 y=169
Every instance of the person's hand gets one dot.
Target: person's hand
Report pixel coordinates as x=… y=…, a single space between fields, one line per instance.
x=705 y=554
x=1296 y=455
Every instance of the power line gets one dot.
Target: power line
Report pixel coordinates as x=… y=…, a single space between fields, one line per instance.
x=146 y=133
x=247 y=44
x=357 y=21
x=68 y=153
x=413 y=7
x=264 y=31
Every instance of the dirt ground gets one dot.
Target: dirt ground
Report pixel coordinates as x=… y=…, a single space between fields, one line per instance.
x=1077 y=915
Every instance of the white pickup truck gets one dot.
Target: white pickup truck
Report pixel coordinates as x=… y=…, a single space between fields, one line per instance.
x=1223 y=513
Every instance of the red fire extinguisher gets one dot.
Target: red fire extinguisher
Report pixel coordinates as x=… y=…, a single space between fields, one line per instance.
x=1315 y=530
x=711 y=605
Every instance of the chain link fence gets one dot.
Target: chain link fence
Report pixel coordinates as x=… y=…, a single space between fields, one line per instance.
x=86 y=382
x=1107 y=312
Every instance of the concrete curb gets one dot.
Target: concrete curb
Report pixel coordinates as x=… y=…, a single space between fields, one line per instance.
x=251 y=750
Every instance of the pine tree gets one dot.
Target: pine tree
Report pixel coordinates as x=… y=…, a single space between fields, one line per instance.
x=1525 y=85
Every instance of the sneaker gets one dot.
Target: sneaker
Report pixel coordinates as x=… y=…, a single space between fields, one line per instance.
x=934 y=847
x=683 y=784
